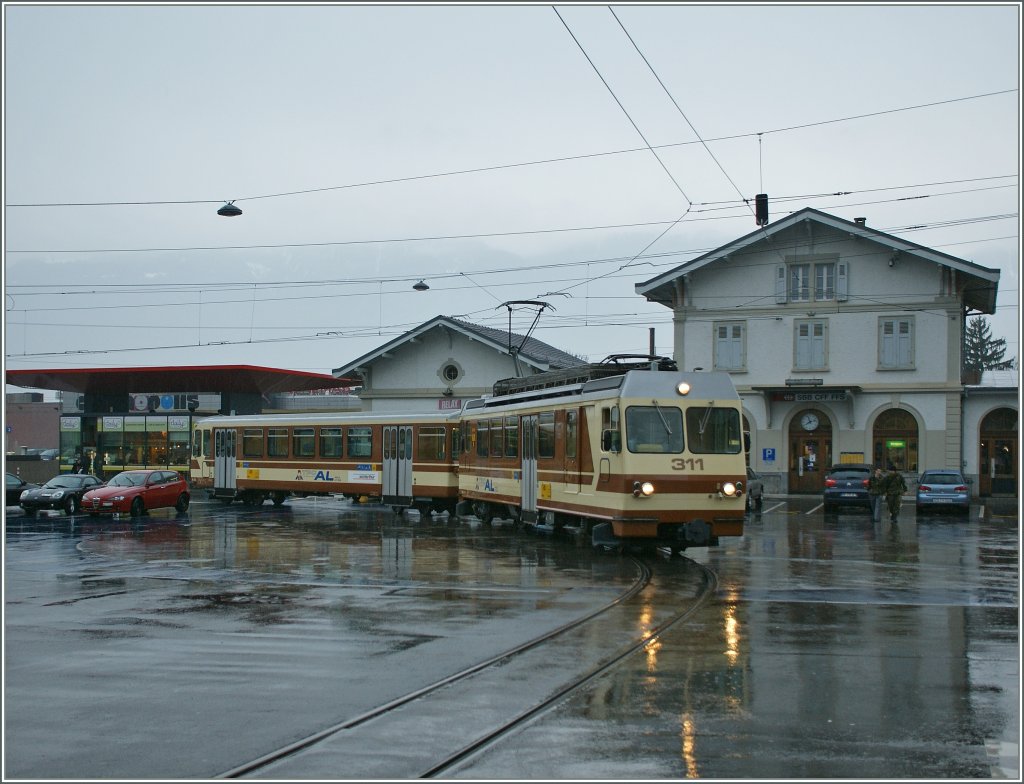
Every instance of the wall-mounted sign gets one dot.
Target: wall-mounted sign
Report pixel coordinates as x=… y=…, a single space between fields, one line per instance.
x=895 y=444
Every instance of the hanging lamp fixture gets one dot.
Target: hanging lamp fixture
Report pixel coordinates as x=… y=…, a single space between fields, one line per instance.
x=229 y=210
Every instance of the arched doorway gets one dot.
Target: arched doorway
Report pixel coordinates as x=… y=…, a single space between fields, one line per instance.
x=810 y=451
x=997 y=463
x=895 y=443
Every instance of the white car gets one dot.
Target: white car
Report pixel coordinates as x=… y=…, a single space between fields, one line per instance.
x=755 y=490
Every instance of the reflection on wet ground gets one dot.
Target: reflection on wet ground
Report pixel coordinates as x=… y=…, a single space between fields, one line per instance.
x=835 y=647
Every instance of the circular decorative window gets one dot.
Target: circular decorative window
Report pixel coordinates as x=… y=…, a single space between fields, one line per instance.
x=450 y=373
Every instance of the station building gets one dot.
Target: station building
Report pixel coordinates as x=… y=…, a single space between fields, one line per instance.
x=119 y=418
x=846 y=345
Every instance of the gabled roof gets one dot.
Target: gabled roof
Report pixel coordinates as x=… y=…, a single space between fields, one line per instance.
x=534 y=352
x=190 y=378
x=982 y=297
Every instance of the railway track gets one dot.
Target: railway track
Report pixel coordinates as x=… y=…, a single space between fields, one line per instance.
x=310 y=741
x=290 y=757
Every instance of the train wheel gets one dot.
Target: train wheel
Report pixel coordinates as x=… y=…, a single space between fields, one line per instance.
x=277 y=497
x=483 y=513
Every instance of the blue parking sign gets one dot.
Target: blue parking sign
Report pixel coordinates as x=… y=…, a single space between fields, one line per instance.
x=768 y=454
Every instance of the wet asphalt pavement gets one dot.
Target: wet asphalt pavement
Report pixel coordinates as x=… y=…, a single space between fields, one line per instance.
x=185 y=646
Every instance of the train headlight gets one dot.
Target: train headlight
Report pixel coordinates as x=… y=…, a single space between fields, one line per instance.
x=683 y=388
x=643 y=488
x=730 y=489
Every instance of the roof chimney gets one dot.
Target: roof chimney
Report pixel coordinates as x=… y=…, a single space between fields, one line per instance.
x=860 y=221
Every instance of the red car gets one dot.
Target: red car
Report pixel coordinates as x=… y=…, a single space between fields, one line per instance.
x=137 y=492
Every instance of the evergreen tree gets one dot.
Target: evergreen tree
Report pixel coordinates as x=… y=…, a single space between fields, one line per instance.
x=981 y=350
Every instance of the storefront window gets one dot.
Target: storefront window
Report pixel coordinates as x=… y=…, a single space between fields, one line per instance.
x=895 y=440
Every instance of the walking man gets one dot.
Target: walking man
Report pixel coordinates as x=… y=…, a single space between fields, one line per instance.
x=895 y=487
x=876 y=492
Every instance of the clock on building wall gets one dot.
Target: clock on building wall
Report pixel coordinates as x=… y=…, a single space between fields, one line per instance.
x=809 y=421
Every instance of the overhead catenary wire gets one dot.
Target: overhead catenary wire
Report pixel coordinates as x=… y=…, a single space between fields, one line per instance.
x=520 y=164
x=523 y=232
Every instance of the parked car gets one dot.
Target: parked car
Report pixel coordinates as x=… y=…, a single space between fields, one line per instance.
x=846 y=484
x=136 y=492
x=942 y=488
x=64 y=491
x=755 y=490
x=15 y=487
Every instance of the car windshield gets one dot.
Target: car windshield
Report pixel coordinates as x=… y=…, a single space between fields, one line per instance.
x=128 y=480
x=942 y=479
x=66 y=481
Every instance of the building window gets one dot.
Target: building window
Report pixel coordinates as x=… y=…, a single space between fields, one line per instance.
x=824 y=281
x=799 y=282
x=811 y=349
x=895 y=343
x=823 y=278
x=730 y=346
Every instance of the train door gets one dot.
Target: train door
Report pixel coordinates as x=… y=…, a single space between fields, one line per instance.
x=572 y=457
x=224 y=464
x=528 y=479
x=397 y=486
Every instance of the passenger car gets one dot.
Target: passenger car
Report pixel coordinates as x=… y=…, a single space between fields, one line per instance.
x=137 y=492
x=64 y=491
x=15 y=487
x=937 y=488
x=755 y=490
x=846 y=484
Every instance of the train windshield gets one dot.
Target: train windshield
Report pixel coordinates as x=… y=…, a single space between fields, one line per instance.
x=654 y=429
x=714 y=430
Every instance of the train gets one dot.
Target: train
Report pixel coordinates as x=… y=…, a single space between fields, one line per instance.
x=626 y=451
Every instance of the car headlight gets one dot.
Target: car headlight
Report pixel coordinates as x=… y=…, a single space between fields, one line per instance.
x=23 y=494
x=58 y=494
x=118 y=498
x=643 y=488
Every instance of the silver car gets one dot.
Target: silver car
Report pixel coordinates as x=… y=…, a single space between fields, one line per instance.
x=943 y=488
x=755 y=490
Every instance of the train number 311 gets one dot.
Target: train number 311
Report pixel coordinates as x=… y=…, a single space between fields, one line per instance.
x=684 y=463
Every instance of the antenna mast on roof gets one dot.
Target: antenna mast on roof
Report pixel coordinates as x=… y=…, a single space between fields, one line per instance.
x=514 y=350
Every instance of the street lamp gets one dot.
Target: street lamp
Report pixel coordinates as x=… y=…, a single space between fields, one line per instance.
x=229 y=210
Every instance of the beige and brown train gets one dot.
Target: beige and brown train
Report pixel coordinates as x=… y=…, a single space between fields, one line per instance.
x=623 y=452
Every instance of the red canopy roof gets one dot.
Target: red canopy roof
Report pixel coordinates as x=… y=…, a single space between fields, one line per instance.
x=189 y=378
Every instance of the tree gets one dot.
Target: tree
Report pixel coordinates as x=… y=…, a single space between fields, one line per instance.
x=981 y=350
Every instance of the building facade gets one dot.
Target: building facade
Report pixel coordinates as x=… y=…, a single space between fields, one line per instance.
x=846 y=345
x=445 y=361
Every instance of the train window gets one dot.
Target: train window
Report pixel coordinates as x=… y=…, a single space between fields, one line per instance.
x=657 y=429
x=197 y=443
x=546 y=434
x=571 y=430
x=713 y=430
x=511 y=436
x=277 y=442
x=497 y=435
x=360 y=441
x=456 y=442
x=206 y=442
x=303 y=442
x=252 y=443
x=611 y=438
x=482 y=439
x=430 y=443
x=330 y=442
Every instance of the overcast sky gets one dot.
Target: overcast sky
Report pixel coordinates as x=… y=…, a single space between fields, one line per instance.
x=496 y=152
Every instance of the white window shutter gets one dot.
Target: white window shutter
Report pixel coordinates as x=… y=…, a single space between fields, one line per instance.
x=780 y=284
x=842 y=285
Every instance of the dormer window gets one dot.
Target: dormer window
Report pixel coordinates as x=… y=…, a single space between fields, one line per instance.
x=807 y=279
